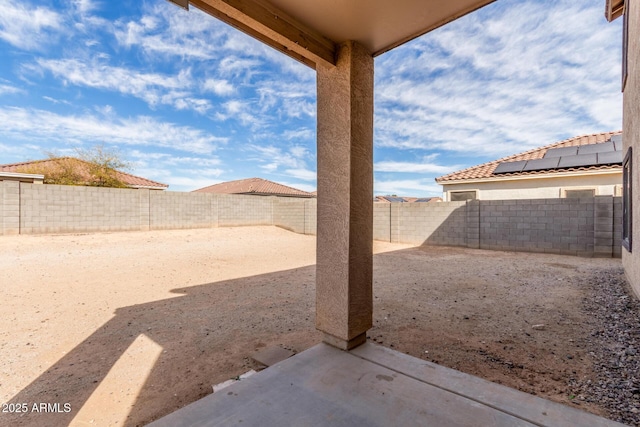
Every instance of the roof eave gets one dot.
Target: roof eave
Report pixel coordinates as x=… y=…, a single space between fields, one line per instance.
x=611 y=171
x=614 y=9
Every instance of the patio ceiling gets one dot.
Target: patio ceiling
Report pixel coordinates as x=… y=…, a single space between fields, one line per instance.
x=309 y=31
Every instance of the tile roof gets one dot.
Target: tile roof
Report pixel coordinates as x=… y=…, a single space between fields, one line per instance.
x=130 y=180
x=485 y=170
x=257 y=186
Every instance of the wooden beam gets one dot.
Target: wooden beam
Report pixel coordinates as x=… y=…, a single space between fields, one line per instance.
x=274 y=28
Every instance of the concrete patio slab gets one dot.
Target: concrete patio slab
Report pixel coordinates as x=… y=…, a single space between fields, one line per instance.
x=372 y=386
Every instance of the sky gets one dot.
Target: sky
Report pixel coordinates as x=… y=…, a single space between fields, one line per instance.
x=189 y=101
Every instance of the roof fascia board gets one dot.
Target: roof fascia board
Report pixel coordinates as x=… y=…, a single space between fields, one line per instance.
x=614 y=9
x=438 y=24
x=21 y=175
x=273 y=27
x=529 y=177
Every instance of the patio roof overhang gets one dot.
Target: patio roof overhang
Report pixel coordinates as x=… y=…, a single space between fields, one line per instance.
x=310 y=31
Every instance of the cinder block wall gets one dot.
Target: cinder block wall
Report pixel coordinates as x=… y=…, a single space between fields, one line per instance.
x=297 y=215
x=310 y=216
x=564 y=226
x=65 y=209
x=586 y=227
x=238 y=210
x=617 y=227
x=382 y=221
x=39 y=209
x=434 y=224
x=168 y=210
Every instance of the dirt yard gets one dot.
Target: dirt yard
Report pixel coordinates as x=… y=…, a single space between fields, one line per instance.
x=123 y=328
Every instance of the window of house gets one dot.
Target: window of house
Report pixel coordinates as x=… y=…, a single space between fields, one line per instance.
x=627 y=192
x=461 y=196
x=576 y=194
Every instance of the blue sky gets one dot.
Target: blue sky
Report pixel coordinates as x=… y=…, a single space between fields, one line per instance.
x=190 y=102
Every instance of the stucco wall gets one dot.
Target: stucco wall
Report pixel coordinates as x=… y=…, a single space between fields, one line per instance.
x=539 y=188
x=631 y=132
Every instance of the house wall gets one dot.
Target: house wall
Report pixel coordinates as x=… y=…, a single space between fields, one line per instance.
x=631 y=132
x=538 y=188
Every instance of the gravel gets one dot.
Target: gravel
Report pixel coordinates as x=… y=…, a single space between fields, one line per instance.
x=614 y=347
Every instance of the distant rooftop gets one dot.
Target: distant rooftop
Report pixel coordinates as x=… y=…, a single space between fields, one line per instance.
x=255 y=186
x=494 y=168
x=397 y=199
x=132 y=181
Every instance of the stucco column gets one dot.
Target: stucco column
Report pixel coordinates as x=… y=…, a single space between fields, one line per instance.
x=344 y=302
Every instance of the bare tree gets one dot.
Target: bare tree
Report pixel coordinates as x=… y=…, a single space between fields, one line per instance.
x=97 y=166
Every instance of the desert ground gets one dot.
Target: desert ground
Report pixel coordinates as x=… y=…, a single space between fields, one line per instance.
x=123 y=328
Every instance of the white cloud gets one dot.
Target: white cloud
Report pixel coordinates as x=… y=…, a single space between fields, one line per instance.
x=304 y=174
x=219 y=87
x=304 y=134
x=408 y=167
x=55 y=101
x=513 y=76
x=153 y=88
x=21 y=124
x=8 y=89
x=165 y=31
x=408 y=187
x=272 y=157
x=26 y=26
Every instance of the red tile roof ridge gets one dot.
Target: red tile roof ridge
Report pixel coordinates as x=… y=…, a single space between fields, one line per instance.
x=485 y=170
x=133 y=181
x=253 y=186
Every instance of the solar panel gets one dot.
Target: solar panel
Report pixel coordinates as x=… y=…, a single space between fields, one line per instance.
x=579 y=160
x=562 y=151
x=541 y=164
x=610 y=158
x=602 y=147
x=394 y=199
x=507 y=167
x=617 y=141
x=423 y=200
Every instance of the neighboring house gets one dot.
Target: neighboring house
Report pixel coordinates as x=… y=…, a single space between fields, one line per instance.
x=396 y=199
x=588 y=165
x=30 y=178
x=256 y=187
x=32 y=172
